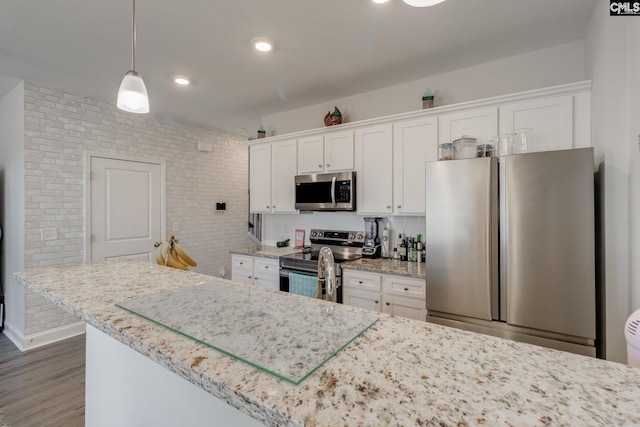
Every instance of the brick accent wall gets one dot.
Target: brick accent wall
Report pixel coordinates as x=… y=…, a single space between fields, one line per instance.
x=59 y=129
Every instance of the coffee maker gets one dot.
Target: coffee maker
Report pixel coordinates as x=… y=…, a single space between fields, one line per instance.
x=371 y=246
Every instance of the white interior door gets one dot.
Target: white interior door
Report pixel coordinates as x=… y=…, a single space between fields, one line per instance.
x=126 y=209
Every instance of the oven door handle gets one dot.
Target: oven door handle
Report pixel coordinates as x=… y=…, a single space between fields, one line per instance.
x=284 y=272
x=333 y=191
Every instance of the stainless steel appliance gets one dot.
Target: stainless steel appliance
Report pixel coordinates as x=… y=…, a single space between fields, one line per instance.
x=510 y=247
x=371 y=248
x=344 y=245
x=326 y=192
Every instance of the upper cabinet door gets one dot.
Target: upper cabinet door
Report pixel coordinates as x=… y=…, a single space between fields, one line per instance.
x=283 y=172
x=311 y=154
x=260 y=178
x=479 y=123
x=415 y=142
x=374 y=166
x=338 y=151
x=550 y=118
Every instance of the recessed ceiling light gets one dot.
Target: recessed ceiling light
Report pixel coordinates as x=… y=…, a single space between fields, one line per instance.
x=263 y=45
x=422 y=3
x=182 y=81
x=380 y=1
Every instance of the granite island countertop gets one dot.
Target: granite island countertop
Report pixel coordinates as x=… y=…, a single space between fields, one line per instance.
x=399 y=372
x=416 y=270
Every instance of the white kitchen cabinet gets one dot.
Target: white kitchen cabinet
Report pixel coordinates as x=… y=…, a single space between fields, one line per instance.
x=478 y=123
x=260 y=178
x=362 y=299
x=550 y=118
x=242 y=269
x=272 y=169
x=283 y=172
x=404 y=296
x=374 y=166
x=266 y=273
x=396 y=295
x=325 y=153
x=257 y=271
x=362 y=289
x=415 y=142
x=404 y=307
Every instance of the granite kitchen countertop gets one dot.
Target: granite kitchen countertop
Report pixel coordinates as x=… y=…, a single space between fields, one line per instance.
x=399 y=372
x=265 y=251
x=388 y=266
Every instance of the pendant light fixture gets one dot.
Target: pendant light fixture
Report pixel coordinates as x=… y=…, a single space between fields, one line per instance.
x=422 y=3
x=132 y=96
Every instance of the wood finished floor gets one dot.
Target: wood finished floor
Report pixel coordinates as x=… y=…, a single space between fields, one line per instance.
x=45 y=386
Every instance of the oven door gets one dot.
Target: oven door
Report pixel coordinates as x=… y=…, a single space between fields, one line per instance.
x=284 y=281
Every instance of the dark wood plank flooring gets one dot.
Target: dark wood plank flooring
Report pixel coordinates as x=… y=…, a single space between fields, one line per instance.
x=44 y=386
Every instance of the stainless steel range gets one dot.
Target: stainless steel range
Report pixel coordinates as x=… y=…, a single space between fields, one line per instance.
x=345 y=246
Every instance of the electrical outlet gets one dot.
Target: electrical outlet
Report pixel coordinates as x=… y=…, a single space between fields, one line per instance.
x=48 y=234
x=176 y=226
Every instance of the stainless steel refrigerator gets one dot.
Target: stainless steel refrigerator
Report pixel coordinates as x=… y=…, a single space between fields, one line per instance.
x=510 y=247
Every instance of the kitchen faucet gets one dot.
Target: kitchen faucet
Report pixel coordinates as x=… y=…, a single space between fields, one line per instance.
x=327 y=274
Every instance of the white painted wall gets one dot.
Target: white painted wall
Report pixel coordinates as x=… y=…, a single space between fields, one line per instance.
x=634 y=156
x=543 y=68
x=12 y=206
x=611 y=61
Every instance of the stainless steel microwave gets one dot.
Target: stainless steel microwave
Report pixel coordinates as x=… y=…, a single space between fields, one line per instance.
x=326 y=192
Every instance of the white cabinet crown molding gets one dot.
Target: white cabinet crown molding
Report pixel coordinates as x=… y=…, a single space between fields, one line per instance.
x=565 y=89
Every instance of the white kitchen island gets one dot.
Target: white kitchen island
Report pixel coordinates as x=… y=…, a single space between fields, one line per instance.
x=398 y=372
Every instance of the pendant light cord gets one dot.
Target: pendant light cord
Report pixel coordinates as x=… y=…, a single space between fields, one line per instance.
x=133 y=39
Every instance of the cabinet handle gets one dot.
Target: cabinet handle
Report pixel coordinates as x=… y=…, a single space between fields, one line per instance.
x=388 y=206
x=328 y=165
x=320 y=166
x=406 y=289
x=388 y=303
x=399 y=206
x=241 y=263
x=274 y=206
x=267 y=206
x=266 y=266
x=248 y=277
x=360 y=282
x=376 y=301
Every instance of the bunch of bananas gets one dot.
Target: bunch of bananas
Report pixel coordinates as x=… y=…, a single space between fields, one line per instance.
x=173 y=255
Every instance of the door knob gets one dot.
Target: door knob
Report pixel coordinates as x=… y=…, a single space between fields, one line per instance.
x=156 y=244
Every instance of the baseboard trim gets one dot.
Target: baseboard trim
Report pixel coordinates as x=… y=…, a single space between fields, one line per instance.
x=14 y=336
x=50 y=336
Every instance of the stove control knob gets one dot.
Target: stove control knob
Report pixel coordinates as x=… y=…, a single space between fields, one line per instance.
x=319 y=233
x=314 y=234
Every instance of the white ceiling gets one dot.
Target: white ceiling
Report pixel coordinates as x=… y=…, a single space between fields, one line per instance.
x=324 y=49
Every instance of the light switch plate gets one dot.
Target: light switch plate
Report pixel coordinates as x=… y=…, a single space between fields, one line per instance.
x=48 y=234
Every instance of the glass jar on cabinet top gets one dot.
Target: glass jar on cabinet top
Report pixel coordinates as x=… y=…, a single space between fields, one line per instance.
x=446 y=151
x=465 y=147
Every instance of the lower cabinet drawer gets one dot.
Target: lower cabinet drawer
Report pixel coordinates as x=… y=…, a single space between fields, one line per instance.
x=362 y=280
x=404 y=286
x=241 y=262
